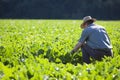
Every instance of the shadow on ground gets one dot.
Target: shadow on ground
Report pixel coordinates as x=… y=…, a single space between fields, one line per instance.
x=57 y=58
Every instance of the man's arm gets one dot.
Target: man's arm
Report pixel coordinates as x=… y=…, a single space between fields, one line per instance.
x=78 y=45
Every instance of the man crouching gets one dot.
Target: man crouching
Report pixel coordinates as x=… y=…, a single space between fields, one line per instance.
x=94 y=41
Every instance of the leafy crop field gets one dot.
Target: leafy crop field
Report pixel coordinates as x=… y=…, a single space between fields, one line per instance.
x=39 y=50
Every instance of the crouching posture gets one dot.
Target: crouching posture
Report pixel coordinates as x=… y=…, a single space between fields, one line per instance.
x=94 y=41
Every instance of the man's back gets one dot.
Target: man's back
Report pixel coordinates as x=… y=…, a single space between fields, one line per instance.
x=96 y=37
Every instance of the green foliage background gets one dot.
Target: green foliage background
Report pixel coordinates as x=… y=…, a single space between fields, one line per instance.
x=39 y=50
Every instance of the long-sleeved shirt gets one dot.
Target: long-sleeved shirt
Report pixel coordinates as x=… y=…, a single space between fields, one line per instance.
x=96 y=37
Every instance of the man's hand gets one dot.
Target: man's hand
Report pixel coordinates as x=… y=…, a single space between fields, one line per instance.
x=72 y=51
x=78 y=45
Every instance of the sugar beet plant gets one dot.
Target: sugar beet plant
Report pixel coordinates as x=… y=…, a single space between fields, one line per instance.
x=39 y=50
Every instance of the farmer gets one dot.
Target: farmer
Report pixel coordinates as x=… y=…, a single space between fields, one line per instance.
x=94 y=41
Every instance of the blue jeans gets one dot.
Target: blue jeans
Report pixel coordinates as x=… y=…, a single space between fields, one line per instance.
x=96 y=54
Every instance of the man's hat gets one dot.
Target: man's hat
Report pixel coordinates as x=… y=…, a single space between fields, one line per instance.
x=88 y=18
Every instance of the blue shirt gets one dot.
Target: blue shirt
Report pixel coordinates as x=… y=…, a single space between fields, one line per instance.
x=96 y=37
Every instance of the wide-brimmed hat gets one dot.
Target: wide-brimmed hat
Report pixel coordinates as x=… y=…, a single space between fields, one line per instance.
x=88 y=18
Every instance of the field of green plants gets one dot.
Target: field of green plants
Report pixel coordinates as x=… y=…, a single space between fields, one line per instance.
x=39 y=50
